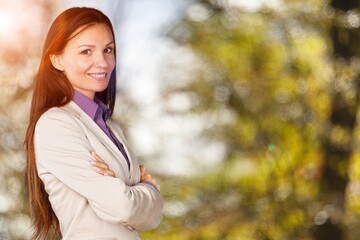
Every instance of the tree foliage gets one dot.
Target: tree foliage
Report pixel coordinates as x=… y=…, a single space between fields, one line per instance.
x=276 y=91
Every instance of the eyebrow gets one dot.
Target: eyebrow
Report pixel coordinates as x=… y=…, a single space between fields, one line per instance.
x=93 y=46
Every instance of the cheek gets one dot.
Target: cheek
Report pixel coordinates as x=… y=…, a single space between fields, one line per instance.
x=79 y=66
x=111 y=62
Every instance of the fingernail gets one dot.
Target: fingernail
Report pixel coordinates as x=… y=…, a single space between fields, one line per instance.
x=92 y=162
x=98 y=170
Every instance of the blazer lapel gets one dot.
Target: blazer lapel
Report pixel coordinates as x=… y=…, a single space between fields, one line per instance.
x=118 y=133
x=103 y=138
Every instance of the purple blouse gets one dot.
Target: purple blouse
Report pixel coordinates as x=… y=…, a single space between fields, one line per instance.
x=100 y=113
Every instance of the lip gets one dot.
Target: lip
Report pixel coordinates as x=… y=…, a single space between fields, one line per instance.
x=98 y=76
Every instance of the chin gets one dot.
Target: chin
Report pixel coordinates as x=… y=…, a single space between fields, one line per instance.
x=101 y=89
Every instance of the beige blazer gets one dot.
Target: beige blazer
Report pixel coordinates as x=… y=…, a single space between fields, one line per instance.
x=87 y=204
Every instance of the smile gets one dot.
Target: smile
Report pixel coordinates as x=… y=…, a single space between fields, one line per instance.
x=98 y=76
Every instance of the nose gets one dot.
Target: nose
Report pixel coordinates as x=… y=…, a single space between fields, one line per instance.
x=100 y=61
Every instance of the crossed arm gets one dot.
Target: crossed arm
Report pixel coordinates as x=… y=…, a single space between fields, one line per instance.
x=102 y=168
x=63 y=150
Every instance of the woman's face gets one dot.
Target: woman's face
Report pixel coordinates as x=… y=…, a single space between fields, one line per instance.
x=88 y=59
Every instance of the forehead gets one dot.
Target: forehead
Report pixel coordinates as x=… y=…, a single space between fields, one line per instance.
x=95 y=33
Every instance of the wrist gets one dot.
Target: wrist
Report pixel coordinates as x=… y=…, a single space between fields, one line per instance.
x=152 y=184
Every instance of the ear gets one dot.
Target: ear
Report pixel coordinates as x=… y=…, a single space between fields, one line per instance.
x=56 y=62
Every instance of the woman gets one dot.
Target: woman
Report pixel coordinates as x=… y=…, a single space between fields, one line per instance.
x=73 y=193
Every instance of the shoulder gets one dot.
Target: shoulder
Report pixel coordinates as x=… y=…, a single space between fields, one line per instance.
x=58 y=126
x=68 y=112
x=57 y=118
x=54 y=114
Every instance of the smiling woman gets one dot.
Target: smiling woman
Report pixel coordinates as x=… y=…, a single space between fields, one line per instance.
x=88 y=59
x=72 y=191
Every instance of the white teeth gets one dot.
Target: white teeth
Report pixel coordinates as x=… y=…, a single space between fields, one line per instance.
x=98 y=75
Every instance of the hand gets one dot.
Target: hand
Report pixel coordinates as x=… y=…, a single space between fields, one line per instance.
x=100 y=166
x=145 y=177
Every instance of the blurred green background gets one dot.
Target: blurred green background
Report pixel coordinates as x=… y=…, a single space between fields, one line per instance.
x=253 y=133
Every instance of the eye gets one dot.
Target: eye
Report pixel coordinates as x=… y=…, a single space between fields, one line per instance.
x=86 y=52
x=109 y=50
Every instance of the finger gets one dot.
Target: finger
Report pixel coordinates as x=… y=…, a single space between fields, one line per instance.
x=99 y=165
x=142 y=169
x=146 y=177
x=97 y=157
x=109 y=173
x=105 y=172
x=99 y=171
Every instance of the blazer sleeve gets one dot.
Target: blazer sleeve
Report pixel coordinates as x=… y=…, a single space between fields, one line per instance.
x=62 y=149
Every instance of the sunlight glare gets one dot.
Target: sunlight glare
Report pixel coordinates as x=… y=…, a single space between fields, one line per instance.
x=5 y=23
x=255 y=5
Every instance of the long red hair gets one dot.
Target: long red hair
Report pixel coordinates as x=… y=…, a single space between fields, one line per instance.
x=52 y=89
